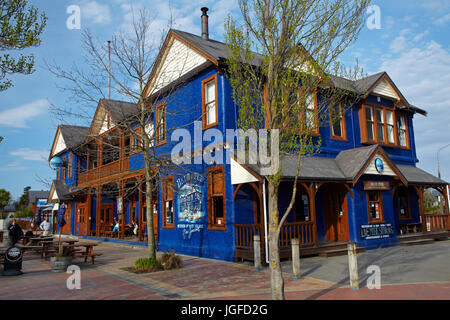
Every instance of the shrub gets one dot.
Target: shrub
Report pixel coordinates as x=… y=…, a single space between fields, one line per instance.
x=147 y=264
x=170 y=260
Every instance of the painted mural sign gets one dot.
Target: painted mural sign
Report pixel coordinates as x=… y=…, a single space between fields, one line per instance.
x=191 y=208
x=376 y=231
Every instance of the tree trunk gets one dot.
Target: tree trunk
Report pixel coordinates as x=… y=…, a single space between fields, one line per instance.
x=149 y=209
x=276 y=276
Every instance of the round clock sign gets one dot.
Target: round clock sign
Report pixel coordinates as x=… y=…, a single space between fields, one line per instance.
x=379 y=165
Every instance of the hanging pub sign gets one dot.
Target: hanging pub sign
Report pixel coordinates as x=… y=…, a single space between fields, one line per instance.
x=376 y=231
x=119 y=205
x=376 y=185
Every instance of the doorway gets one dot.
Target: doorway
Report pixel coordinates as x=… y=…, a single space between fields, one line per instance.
x=336 y=216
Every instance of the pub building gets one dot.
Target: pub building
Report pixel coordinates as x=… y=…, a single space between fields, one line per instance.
x=363 y=186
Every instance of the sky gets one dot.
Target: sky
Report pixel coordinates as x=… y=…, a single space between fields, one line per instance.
x=411 y=43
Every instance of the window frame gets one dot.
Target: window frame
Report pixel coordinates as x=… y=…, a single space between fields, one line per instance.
x=343 y=137
x=299 y=195
x=159 y=141
x=380 y=203
x=315 y=130
x=63 y=169
x=212 y=225
x=204 y=106
x=69 y=166
x=166 y=183
x=395 y=115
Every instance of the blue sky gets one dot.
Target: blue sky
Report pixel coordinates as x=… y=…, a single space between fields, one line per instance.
x=412 y=45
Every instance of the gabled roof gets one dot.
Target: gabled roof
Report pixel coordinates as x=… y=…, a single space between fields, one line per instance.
x=115 y=109
x=68 y=137
x=60 y=189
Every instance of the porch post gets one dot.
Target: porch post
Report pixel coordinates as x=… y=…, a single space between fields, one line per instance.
x=98 y=209
x=312 y=193
x=89 y=212
x=140 y=212
x=444 y=191
x=123 y=213
x=421 y=208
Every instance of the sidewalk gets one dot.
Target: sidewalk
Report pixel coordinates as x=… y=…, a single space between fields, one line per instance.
x=200 y=278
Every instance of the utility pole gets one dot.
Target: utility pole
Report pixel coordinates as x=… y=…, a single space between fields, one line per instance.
x=439 y=172
x=109 y=69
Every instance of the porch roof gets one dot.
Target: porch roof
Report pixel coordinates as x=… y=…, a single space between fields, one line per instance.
x=415 y=175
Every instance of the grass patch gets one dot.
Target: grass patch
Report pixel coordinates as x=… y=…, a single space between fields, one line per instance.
x=168 y=261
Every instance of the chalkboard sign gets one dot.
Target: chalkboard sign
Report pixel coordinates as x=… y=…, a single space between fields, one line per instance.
x=376 y=231
x=12 y=264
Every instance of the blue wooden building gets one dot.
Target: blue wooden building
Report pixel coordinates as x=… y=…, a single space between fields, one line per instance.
x=363 y=186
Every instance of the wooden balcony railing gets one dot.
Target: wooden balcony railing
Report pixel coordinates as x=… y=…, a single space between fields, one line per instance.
x=437 y=222
x=300 y=230
x=106 y=170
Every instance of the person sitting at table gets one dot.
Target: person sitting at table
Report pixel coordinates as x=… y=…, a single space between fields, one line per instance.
x=135 y=228
x=116 y=227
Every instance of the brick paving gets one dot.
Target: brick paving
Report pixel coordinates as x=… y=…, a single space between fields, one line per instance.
x=200 y=278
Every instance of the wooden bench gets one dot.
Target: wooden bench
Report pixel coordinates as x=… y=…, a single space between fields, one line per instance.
x=411 y=228
x=86 y=256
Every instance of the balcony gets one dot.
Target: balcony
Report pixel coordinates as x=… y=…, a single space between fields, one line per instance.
x=111 y=169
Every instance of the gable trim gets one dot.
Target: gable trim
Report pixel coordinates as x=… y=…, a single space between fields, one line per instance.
x=375 y=152
x=385 y=77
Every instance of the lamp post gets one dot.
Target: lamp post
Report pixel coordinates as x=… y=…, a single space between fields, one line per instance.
x=439 y=170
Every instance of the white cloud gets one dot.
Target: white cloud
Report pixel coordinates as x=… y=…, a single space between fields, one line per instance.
x=423 y=76
x=442 y=20
x=95 y=12
x=399 y=44
x=419 y=36
x=19 y=116
x=30 y=154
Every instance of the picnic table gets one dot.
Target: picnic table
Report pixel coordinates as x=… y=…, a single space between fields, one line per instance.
x=88 y=253
x=52 y=246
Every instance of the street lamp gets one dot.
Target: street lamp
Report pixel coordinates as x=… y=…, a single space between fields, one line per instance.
x=439 y=168
x=439 y=171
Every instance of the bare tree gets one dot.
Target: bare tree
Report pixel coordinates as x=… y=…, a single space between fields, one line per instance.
x=127 y=62
x=282 y=58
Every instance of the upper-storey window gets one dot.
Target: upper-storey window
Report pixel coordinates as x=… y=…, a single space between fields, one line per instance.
x=161 y=124
x=309 y=114
x=383 y=125
x=209 y=102
x=69 y=167
x=402 y=131
x=337 y=119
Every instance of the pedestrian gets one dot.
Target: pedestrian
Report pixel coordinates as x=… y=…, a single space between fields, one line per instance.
x=46 y=226
x=15 y=232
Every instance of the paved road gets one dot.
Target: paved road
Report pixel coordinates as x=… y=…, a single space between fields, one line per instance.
x=399 y=264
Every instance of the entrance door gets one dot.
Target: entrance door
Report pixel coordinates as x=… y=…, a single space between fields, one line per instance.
x=336 y=219
x=106 y=214
x=81 y=219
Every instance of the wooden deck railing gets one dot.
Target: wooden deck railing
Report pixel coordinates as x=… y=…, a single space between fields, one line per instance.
x=300 y=230
x=104 y=170
x=437 y=222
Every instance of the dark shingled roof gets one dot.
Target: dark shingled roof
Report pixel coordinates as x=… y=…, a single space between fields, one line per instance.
x=218 y=51
x=73 y=135
x=61 y=190
x=33 y=195
x=415 y=175
x=351 y=161
x=119 y=110
x=345 y=167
